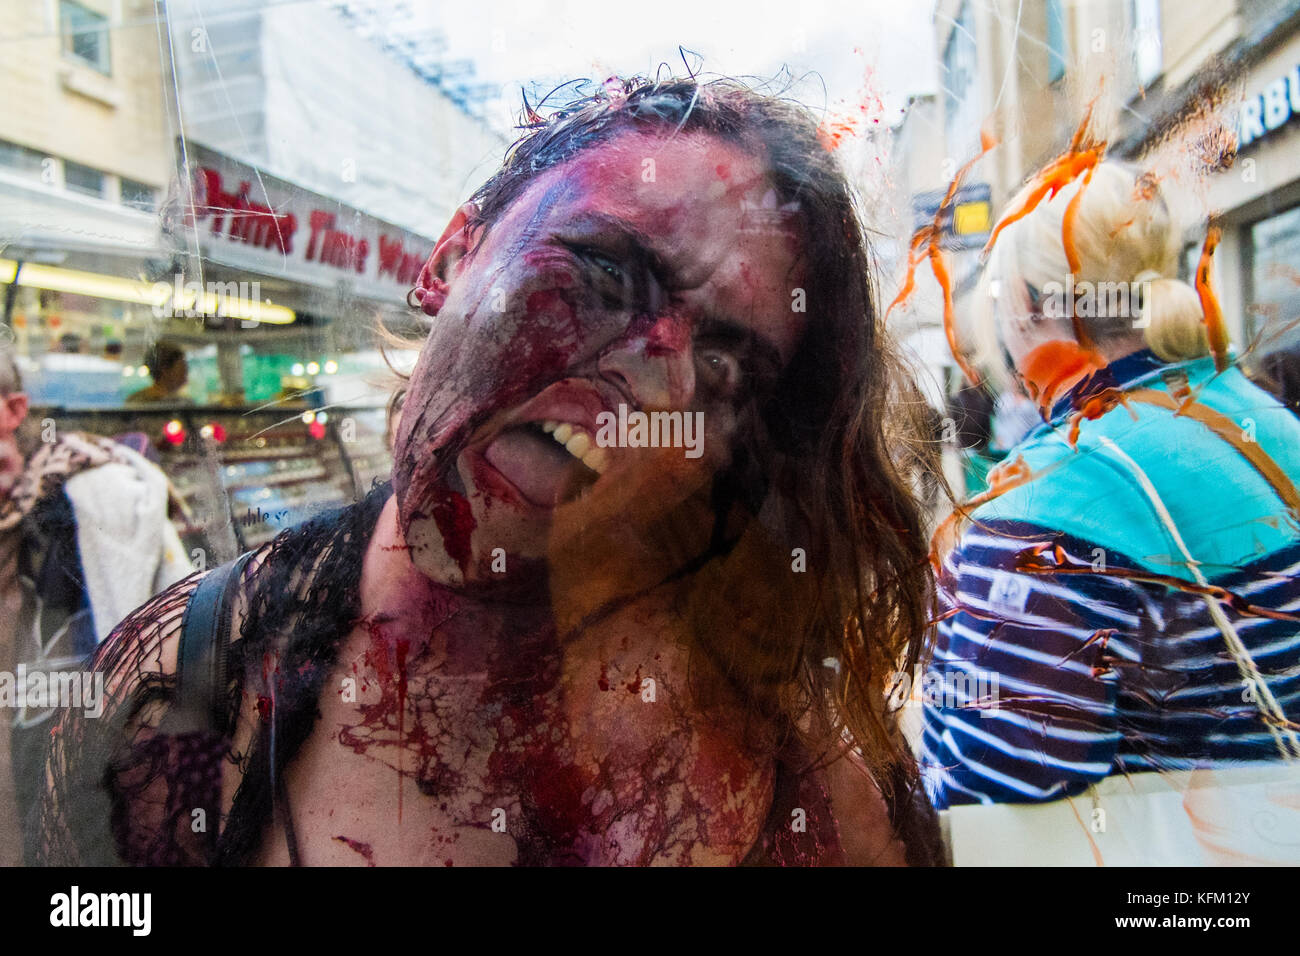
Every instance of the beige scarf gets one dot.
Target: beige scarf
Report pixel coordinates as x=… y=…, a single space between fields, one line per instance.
x=53 y=464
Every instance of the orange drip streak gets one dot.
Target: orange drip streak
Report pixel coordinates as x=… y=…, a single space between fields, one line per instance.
x=914 y=257
x=1072 y=256
x=1049 y=180
x=1057 y=174
x=940 y=270
x=1211 y=313
x=1003 y=478
x=929 y=236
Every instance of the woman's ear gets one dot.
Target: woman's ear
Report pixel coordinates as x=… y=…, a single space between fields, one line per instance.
x=13 y=409
x=434 y=283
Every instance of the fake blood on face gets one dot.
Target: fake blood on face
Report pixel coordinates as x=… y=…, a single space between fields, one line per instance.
x=455 y=521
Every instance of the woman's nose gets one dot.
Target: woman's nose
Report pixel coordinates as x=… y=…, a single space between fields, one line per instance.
x=653 y=362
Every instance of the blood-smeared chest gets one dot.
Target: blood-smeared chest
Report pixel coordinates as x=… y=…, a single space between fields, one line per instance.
x=454 y=749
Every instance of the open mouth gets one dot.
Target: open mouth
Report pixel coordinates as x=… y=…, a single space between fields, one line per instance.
x=550 y=462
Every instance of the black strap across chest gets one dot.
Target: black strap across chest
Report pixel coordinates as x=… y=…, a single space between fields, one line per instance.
x=201 y=677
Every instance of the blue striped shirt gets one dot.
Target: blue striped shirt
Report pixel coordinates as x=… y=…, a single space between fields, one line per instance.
x=1043 y=683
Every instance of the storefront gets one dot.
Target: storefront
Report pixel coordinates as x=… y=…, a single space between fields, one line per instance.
x=1257 y=203
x=275 y=296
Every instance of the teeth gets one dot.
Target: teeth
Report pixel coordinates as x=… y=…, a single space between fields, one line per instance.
x=578 y=444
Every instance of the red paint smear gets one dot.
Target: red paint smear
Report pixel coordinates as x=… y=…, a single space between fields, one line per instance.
x=839 y=126
x=1211 y=314
x=403 y=645
x=669 y=335
x=634 y=685
x=389 y=658
x=367 y=853
x=603 y=681
x=455 y=521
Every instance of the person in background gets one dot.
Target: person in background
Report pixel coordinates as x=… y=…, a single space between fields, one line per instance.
x=167 y=365
x=1087 y=592
x=1014 y=417
x=971 y=409
x=1280 y=374
x=84 y=538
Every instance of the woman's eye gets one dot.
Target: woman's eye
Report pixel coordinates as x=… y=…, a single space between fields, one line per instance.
x=609 y=267
x=720 y=369
x=606 y=276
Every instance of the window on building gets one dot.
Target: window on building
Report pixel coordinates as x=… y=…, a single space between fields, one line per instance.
x=137 y=195
x=21 y=159
x=1057 y=42
x=83 y=179
x=85 y=34
x=1147 y=55
x=961 y=113
x=1274 y=280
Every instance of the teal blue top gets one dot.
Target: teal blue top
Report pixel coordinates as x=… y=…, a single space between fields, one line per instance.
x=1094 y=495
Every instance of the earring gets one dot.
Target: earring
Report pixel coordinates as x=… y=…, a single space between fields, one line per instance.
x=431 y=298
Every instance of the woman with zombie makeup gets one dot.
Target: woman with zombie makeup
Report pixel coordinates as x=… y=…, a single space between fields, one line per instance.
x=1125 y=596
x=539 y=649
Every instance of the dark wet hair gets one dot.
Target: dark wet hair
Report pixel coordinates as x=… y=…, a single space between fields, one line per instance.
x=161 y=356
x=837 y=429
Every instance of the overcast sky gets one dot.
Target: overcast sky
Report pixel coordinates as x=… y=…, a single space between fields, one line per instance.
x=840 y=49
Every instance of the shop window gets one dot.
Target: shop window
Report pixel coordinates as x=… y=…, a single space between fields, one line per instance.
x=85 y=35
x=20 y=159
x=1057 y=45
x=137 y=195
x=1274 y=280
x=82 y=179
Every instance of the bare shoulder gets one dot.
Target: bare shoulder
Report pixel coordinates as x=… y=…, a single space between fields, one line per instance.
x=867 y=835
x=110 y=768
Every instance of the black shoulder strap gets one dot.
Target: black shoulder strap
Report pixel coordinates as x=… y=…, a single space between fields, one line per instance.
x=205 y=639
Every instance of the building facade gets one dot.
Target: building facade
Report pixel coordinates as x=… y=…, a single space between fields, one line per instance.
x=156 y=155
x=1169 y=83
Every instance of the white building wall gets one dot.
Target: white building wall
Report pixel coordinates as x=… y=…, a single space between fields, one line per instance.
x=292 y=89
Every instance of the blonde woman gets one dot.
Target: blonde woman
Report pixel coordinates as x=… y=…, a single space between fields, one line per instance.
x=1127 y=603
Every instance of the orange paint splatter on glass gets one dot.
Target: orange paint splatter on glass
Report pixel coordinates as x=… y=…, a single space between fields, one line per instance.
x=1211 y=314
x=1053 y=368
x=1082 y=155
x=927 y=238
x=1001 y=479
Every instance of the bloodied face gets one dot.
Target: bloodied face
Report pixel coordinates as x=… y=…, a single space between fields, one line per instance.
x=652 y=272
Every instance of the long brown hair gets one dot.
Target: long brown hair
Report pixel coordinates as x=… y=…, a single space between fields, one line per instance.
x=817 y=650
